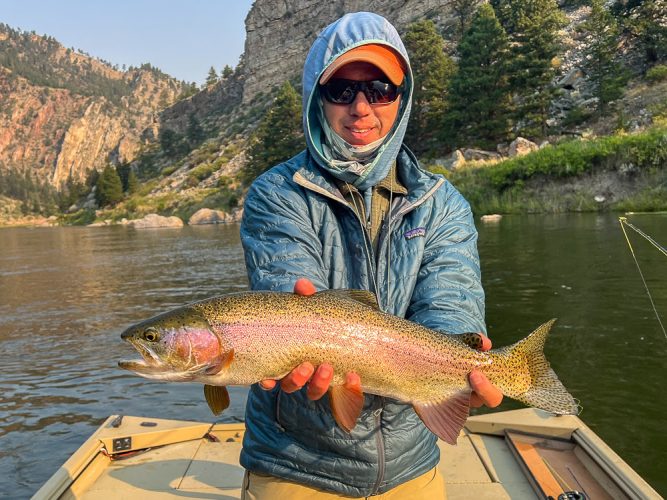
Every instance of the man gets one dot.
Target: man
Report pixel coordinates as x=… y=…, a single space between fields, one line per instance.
x=356 y=211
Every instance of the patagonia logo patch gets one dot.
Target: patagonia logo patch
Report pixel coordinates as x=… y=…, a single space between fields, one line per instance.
x=414 y=233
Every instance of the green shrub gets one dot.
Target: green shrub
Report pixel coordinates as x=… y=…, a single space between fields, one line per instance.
x=657 y=73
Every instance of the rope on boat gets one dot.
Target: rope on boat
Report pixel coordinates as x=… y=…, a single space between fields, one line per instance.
x=624 y=222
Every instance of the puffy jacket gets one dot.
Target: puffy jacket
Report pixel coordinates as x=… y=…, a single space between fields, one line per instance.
x=297 y=224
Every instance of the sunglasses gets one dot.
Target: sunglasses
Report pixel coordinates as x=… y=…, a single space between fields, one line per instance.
x=340 y=91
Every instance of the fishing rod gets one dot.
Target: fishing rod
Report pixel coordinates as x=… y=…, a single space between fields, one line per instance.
x=624 y=222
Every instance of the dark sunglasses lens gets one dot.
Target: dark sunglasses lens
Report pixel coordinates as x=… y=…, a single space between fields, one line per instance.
x=381 y=92
x=340 y=91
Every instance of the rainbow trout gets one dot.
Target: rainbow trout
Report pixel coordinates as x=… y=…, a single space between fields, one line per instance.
x=240 y=339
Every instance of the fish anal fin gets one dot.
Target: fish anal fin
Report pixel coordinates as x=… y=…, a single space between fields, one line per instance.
x=217 y=398
x=346 y=402
x=446 y=418
x=362 y=296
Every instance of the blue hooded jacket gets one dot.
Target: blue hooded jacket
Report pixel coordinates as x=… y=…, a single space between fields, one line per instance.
x=297 y=224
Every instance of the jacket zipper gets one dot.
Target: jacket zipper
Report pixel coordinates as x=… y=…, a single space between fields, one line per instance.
x=379 y=440
x=370 y=260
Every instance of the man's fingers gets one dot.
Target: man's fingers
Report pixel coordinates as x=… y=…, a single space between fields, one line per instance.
x=297 y=378
x=475 y=400
x=304 y=286
x=320 y=382
x=489 y=394
x=486 y=343
x=352 y=381
x=267 y=384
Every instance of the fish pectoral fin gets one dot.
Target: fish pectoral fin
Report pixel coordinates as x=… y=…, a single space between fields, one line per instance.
x=346 y=403
x=217 y=398
x=221 y=363
x=446 y=418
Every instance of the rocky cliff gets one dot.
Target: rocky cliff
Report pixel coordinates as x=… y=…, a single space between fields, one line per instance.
x=280 y=32
x=63 y=113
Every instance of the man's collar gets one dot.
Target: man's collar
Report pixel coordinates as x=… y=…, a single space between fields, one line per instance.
x=390 y=183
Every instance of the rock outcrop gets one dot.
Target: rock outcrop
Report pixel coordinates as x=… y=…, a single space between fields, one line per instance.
x=151 y=221
x=79 y=115
x=279 y=33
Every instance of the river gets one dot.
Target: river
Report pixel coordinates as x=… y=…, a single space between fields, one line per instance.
x=67 y=293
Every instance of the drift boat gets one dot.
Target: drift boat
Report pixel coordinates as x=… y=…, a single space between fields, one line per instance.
x=518 y=454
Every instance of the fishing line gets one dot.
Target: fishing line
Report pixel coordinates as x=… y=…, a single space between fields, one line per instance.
x=623 y=221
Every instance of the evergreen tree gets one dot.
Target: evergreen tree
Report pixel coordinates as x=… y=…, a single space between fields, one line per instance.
x=212 y=77
x=171 y=142
x=532 y=27
x=600 y=62
x=464 y=10
x=480 y=93
x=194 y=133
x=109 y=187
x=432 y=70
x=279 y=135
x=132 y=182
x=227 y=71
x=648 y=21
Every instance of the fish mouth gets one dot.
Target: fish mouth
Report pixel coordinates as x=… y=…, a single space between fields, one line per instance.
x=149 y=362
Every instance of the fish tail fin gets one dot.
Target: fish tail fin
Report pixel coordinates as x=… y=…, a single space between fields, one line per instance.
x=545 y=390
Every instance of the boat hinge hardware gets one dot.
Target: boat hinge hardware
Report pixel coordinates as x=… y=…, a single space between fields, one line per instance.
x=122 y=444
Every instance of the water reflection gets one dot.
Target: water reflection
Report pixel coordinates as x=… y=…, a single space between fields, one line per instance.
x=66 y=293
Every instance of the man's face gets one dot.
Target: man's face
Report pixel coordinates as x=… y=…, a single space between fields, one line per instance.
x=360 y=123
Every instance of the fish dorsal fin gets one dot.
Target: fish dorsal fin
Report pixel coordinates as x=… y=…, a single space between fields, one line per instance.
x=362 y=296
x=346 y=403
x=217 y=398
x=472 y=340
x=446 y=418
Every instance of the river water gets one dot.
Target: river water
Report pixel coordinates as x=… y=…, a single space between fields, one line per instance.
x=67 y=293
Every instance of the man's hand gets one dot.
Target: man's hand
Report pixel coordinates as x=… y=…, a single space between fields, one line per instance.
x=319 y=379
x=484 y=392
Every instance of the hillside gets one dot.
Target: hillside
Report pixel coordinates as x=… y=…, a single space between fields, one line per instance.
x=64 y=113
x=77 y=114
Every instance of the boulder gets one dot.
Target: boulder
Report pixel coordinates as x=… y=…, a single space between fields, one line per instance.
x=155 y=221
x=491 y=218
x=208 y=216
x=479 y=155
x=521 y=146
x=452 y=162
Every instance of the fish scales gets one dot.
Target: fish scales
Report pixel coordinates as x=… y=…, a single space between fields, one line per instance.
x=240 y=339
x=344 y=333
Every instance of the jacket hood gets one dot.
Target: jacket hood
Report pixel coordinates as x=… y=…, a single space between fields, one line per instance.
x=346 y=33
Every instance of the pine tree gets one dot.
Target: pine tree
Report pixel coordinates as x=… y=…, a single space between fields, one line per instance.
x=227 y=71
x=132 y=182
x=194 y=133
x=278 y=137
x=432 y=70
x=532 y=27
x=600 y=62
x=212 y=77
x=648 y=21
x=109 y=187
x=480 y=94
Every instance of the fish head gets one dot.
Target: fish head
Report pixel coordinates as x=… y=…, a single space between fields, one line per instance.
x=179 y=345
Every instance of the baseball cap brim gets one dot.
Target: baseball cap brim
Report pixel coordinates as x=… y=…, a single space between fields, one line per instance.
x=385 y=58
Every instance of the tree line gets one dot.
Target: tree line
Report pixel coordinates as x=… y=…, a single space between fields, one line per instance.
x=502 y=81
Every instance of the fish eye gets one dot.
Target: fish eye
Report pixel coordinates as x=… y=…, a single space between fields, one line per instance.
x=151 y=335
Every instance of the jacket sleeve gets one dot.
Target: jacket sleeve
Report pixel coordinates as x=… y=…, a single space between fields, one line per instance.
x=448 y=294
x=278 y=238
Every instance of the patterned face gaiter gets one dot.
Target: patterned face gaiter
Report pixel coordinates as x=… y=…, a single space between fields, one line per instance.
x=345 y=156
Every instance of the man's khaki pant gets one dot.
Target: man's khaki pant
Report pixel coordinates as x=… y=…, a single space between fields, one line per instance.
x=429 y=486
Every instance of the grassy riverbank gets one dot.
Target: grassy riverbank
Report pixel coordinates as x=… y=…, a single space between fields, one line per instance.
x=618 y=172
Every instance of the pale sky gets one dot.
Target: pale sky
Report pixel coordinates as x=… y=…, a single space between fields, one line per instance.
x=183 y=38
